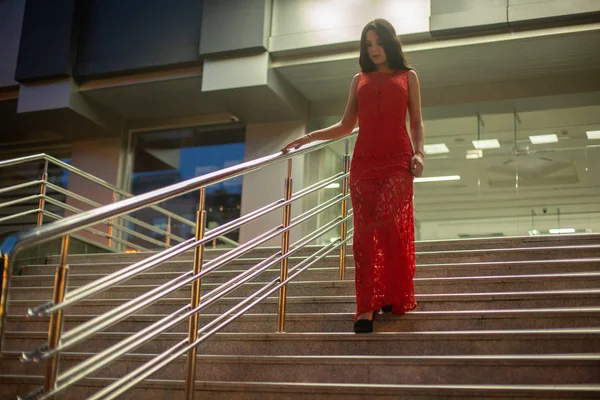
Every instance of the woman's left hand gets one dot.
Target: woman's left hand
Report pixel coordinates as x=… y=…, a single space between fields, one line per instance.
x=416 y=165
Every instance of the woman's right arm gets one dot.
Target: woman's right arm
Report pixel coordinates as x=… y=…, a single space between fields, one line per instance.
x=342 y=128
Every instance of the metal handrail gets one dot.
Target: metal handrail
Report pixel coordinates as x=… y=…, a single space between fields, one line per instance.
x=92 y=203
x=134 y=377
x=104 y=358
x=73 y=209
x=118 y=314
x=91 y=217
x=20 y=186
x=102 y=183
x=145 y=265
x=98 y=233
x=68 y=207
x=19 y=215
x=12 y=245
x=21 y=200
x=89 y=177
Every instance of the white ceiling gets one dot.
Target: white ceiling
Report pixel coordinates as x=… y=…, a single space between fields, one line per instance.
x=457 y=62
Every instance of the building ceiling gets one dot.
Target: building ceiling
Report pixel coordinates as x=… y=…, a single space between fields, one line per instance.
x=456 y=62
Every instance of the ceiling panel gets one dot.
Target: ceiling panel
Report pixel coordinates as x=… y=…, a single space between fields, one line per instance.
x=321 y=79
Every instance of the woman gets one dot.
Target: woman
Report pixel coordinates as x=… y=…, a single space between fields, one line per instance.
x=381 y=173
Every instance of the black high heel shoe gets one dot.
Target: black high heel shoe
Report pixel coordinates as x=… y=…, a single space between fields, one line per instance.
x=364 y=325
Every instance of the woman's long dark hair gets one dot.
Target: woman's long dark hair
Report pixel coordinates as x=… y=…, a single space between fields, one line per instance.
x=390 y=43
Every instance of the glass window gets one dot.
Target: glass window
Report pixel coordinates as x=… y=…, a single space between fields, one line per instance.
x=168 y=157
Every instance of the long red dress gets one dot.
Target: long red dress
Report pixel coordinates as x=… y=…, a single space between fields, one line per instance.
x=381 y=189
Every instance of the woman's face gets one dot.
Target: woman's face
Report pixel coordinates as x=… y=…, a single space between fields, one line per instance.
x=374 y=48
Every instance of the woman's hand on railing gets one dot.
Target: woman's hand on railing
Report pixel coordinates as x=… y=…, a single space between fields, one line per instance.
x=297 y=143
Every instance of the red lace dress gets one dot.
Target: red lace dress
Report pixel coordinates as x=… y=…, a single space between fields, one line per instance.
x=381 y=189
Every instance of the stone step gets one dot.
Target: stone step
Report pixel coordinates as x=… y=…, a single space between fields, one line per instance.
x=329 y=269
x=421 y=246
x=154 y=389
x=473 y=284
x=545 y=341
x=337 y=304
x=415 y=370
x=322 y=273
x=423 y=257
x=415 y=321
x=476 y=298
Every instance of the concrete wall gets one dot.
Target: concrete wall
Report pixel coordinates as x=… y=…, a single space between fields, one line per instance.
x=100 y=158
x=455 y=16
x=310 y=23
x=532 y=11
x=233 y=25
x=478 y=16
x=265 y=186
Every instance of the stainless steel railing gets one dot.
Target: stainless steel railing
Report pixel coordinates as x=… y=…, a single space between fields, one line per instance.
x=109 y=233
x=59 y=341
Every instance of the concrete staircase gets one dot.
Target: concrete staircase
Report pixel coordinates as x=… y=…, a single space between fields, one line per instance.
x=514 y=318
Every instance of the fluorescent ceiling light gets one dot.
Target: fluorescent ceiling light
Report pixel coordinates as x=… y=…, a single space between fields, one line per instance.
x=438 y=148
x=486 y=144
x=438 y=178
x=333 y=185
x=540 y=139
x=593 y=134
x=562 y=230
x=474 y=154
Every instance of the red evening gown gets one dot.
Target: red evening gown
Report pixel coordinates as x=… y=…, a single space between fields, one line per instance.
x=381 y=189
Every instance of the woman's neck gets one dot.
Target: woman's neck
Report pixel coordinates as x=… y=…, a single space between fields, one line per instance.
x=383 y=68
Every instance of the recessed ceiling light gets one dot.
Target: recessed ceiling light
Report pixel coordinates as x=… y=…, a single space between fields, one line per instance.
x=540 y=139
x=593 y=134
x=437 y=178
x=486 y=144
x=562 y=230
x=438 y=148
x=474 y=154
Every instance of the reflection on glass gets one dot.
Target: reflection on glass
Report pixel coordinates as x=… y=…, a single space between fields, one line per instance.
x=514 y=174
x=166 y=158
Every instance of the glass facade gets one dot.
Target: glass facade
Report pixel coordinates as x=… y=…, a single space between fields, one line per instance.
x=502 y=174
x=510 y=174
x=167 y=157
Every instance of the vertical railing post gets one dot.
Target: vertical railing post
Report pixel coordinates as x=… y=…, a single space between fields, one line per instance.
x=56 y=320
x=344 y=225
x=4 y=295
x=168 y=234
x=190 y=374
x=111 y=223
x=285 y=246
x=42 y=201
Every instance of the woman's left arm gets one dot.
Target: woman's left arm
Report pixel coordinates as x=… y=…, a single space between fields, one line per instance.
x=416 y=123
